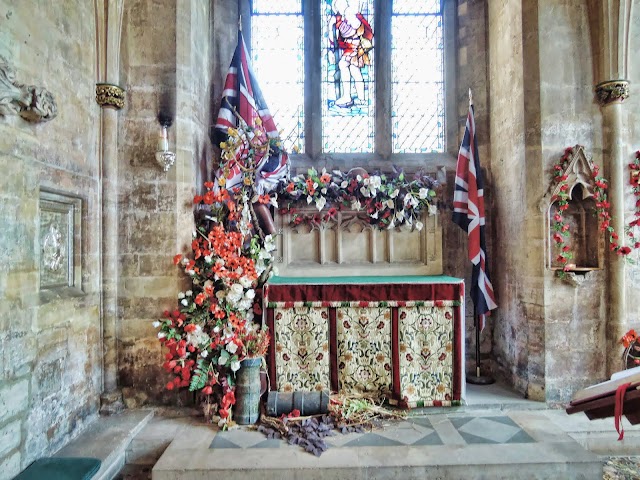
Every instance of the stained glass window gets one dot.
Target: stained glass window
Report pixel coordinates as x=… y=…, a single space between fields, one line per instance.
x=348 y=88
x=277 y=51
x=337 y=43
x=417 y=77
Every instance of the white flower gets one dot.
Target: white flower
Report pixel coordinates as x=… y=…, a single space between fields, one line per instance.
x=194 y=234
x=181 y=295
x=355 y=205
x=156 y=324
x=323 y=190
x=433 y=209
x=410 y=200
x=320 y=203
x=249 y=319
x=216 y=329
x=188 y=293
x=161 y=334
x=250 y=294
x=344 y=184
x=269 y=243
x=359 y=178
x=222 y=360
x=374 y=215
x=375 y=181
x=204 y=354
x=235 y=366
x=395 y=193
x=185 y=302
x=419 y=225
x=232 y=348
x=236 y=289
x=390 y=203
x=309 y=199
x=391 y=225
x=208 y=259
x=400 y=215
x=245 y=282
x=423 y=193
x=364 y=191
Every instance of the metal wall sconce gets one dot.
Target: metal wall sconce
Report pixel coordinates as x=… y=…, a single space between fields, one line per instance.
x=164 y=156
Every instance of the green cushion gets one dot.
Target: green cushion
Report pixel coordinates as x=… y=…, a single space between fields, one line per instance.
x=61 y=468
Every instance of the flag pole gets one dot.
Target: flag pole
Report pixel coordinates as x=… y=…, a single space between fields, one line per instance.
x=477 y=379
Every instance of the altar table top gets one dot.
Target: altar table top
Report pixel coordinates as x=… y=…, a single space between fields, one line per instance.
x=276 y=280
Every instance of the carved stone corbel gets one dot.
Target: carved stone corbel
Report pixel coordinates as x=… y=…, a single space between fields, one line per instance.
x=612 y=91
x=109 y=95
x=32 y=103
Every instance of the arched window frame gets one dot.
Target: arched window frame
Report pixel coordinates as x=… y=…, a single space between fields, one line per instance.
x=382 y=157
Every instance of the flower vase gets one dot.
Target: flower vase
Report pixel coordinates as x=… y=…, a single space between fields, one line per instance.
x=247 y=407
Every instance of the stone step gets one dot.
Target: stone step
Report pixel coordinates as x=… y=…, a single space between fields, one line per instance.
x=436 y=447
x=107 y=439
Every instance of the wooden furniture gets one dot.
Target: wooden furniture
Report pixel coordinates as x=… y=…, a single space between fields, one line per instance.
x=598 y=401
x=399 y=336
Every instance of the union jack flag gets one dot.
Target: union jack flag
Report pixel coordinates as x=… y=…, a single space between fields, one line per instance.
x=242 y=102
x=468 y=213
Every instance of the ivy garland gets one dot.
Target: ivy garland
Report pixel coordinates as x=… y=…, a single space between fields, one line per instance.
x=561 y=233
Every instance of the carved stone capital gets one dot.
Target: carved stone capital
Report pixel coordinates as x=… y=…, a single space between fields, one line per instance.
x=612 y=91
x=109 y=95
x=32 y=103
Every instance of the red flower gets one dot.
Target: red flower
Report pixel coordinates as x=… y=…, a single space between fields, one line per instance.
x=207 y=390
x=208 y=185
x=190 y=328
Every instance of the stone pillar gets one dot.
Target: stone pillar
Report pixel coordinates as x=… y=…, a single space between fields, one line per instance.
x=611 y=95
x=111 y=98
x=609 y=22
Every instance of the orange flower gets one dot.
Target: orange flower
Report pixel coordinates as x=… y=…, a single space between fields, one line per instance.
x=264 y=199
x=325 y=178
x=628 y=338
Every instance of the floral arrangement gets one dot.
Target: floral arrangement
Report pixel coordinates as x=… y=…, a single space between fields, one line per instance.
x=560 y=229
x=602 y=208
x=631 y=343
x=212 y=330
x=389 y=200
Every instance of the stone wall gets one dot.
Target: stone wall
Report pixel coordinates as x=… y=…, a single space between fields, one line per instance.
x=508 y=166
x=574 y=316
x=156 y=207
x=50 y=369
x=632 y=107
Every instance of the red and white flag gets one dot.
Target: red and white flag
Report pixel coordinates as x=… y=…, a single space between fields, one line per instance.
x=468 y=213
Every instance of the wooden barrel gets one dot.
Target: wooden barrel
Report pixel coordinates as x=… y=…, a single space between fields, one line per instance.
x=309 y=403
x=247 y=407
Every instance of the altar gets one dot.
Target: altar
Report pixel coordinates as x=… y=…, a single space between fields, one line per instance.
x=399 y=336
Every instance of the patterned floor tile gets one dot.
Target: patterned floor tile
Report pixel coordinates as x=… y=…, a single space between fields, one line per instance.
x=240 y=437
x=486 y=429
x=406 y=433
x=269 y=443
x=431 y=439
x=373 y=440
x=221 y=442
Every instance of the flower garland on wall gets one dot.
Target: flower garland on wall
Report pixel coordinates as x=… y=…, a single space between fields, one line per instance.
x=390 y=200
x=561 y=233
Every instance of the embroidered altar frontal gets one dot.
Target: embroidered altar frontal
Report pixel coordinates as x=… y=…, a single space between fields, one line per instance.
x=401 y=336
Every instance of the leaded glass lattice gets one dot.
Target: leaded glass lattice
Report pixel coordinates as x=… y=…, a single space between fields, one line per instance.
x=277 y=55
x=417 y=77
x=348 y=88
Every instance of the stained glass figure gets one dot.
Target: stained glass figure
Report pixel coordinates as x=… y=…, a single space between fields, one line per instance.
x=348 y=84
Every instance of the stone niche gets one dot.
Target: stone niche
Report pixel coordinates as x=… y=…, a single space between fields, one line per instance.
x=585 y=241
x=60 y=240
